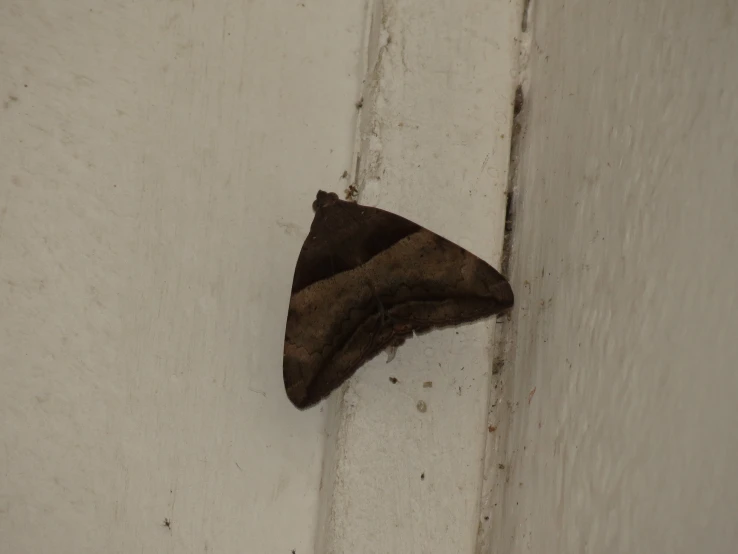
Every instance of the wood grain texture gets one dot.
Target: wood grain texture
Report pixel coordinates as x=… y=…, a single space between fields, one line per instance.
x=366 y=279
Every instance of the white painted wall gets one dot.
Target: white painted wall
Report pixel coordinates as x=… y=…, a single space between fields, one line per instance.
x=157 y=164
x=622 y=394
x=158 y=161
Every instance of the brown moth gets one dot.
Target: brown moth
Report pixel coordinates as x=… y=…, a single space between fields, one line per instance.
x=367 y=279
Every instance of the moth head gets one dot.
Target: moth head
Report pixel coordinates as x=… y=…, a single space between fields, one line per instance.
x=324 y=199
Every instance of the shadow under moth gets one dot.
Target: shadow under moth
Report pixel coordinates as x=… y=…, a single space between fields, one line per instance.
x=366 y=280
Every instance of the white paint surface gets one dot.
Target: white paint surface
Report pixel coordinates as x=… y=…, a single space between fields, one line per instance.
x=624 y=426
x=158 y=164
x=434 y=146
x=158 y=161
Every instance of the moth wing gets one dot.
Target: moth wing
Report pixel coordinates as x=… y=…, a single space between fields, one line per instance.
x=364 y=280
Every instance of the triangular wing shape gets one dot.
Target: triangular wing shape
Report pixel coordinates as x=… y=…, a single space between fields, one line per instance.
x=366 y=279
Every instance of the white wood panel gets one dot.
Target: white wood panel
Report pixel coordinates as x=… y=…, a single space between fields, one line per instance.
x=434 y=147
